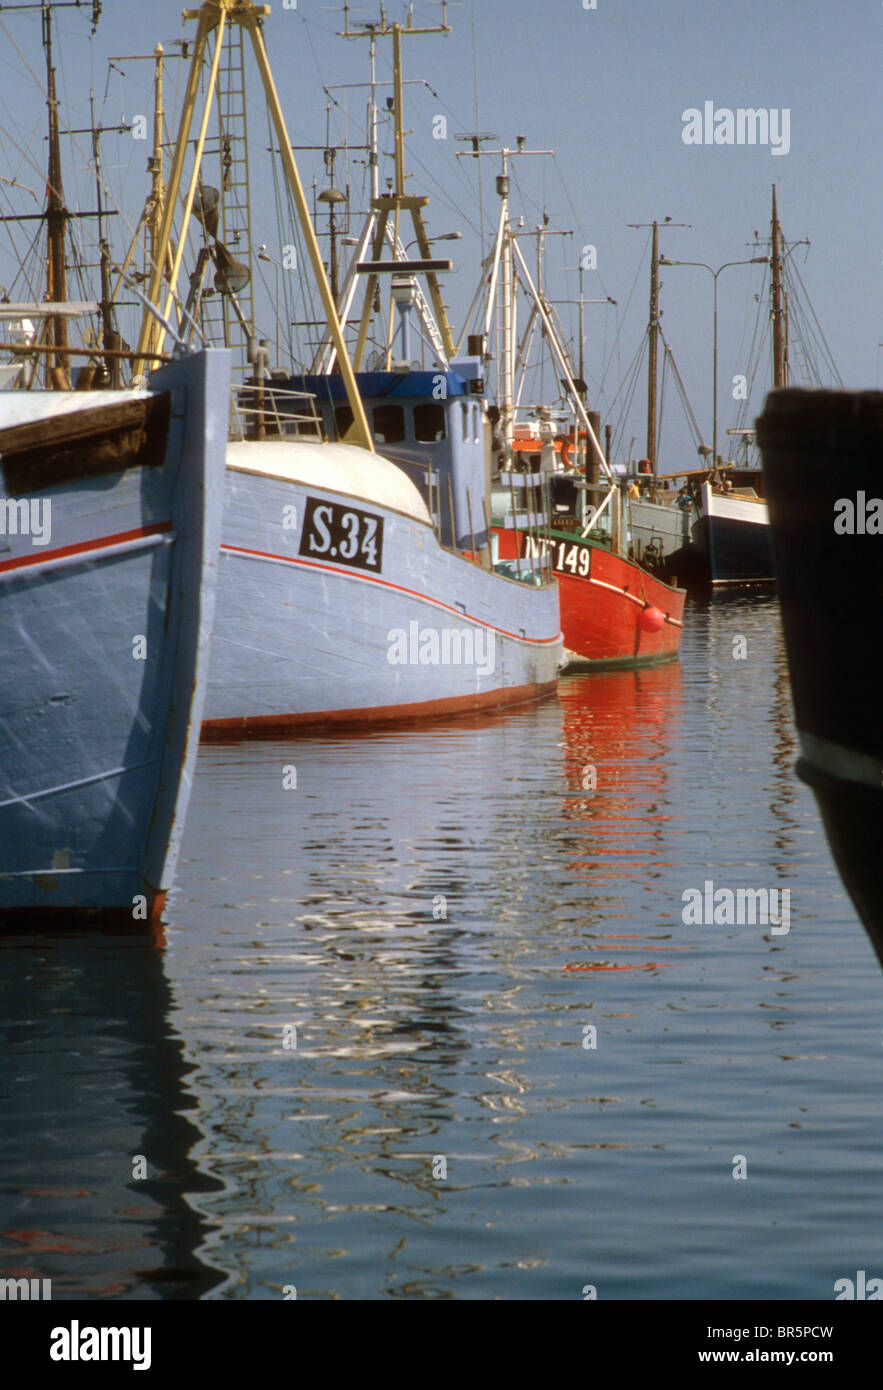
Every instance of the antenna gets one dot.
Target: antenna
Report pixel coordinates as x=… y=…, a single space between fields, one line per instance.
x=384 y=27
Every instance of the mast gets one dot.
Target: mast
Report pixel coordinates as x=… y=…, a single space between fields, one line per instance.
x=507 y=298
x=56 y=223
x=373 y=158
x=780 y=366
x=503 y=269
x=214 y=17
x=398 y=201
x=56 y=215
x=653 y=340
x=155 y=164
x=109 y=336
x=653 y=332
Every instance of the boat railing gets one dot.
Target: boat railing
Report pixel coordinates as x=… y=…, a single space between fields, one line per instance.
x=263 y=410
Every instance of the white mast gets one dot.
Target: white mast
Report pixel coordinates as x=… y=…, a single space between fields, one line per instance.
x=507 y=302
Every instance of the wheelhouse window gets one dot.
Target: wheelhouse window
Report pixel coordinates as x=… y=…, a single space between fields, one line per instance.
x=389 y=424
x=429 y=422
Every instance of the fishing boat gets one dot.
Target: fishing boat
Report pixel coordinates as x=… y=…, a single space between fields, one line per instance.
x=714 y=529
x=347 y=594
x=698 y=525
x=614 y=612
x=821 y=461
x=731 y=529
x=110 y=511
x=549 y=504
x=110 y=508
x=731 y=532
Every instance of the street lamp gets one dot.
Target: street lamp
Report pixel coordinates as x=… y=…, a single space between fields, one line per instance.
x=755 y=260
x=444 y=236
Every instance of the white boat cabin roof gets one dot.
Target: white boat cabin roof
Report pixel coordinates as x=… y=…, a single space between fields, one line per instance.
x=341 y=468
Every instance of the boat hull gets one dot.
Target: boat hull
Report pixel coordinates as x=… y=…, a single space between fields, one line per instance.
x=818 y=448
x=304 y=639
x=605 y=600
x=732 y=535
x=105 y=627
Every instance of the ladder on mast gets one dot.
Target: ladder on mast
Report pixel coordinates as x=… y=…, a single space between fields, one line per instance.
x=219 y=320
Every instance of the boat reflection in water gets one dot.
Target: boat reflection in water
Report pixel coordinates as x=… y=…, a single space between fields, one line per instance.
x=405 y=910
x=618 y=730
x=93 y=1079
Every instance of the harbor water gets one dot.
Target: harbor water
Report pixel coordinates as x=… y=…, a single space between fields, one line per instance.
x=428 y=1020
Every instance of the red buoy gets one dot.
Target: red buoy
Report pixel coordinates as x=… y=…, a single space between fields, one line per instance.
x=651 y=619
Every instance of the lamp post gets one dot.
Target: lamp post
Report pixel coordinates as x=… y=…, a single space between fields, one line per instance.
x=755 y=260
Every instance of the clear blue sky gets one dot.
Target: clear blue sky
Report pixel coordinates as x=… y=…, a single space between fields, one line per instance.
x=604 y=88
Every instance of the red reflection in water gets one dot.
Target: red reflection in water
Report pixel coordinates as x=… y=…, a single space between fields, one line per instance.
x=622 y=725
x=51 y=1242
x=64 y=1192
x=620 y=730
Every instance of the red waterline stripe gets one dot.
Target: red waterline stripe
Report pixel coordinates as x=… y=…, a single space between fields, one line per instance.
x=386 y=584
x=100 y=543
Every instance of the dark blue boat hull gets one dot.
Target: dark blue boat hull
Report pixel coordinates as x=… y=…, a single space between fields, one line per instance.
x=736 y=552
x=819 y=447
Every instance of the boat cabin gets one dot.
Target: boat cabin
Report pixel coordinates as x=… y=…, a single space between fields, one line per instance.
x=433 y=424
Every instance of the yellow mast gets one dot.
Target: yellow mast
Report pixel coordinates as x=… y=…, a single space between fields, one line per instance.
x=215 y=15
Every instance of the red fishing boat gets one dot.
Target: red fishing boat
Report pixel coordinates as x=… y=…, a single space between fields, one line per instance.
x=555 y=502
x=614 y=613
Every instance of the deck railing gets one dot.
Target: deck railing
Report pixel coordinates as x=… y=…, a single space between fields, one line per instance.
x=262 y=410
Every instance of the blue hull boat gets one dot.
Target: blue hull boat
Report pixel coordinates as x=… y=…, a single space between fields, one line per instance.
x=110 y=514
x=732 y=534
x=338 y=603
